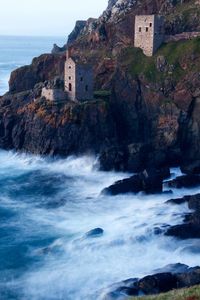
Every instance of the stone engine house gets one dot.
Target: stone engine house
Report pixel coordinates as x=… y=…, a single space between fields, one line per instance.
x=79 y=80
x=149 y=33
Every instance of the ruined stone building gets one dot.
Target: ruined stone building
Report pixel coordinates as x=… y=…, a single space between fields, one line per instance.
x=79 y=79
x=54 y=90
x=149 y=33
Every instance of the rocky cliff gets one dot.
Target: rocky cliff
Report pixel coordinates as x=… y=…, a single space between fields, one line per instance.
x=151 y=115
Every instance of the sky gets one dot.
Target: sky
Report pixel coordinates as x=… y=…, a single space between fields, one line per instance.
x=45 y=17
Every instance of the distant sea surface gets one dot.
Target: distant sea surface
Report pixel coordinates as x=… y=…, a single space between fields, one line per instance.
x=16 y=51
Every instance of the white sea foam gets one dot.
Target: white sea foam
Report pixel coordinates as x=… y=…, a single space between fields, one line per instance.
x=71 y=266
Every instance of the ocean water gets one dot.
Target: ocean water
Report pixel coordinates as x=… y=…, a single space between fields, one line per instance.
x=18 y=51
x=48 y=205
x=46 y=208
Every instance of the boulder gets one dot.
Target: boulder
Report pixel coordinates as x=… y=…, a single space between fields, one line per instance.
x=158 y=283
x=185 y=181
x=128 y=185
x=96 y=232
x=191 y=226
x=178 y=276
x=148 y=181
x=184 y=231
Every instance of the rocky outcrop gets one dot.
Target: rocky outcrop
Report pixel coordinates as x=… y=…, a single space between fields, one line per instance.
x=40 y=127
x=178 y=276
x=44 y=67
x=149 y=181
x=190 y=137
x=185 y=181
x=79 y=26
x=191 y=226
x=150 y=117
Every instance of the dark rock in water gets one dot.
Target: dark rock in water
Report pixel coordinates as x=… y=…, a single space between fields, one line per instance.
x=128 y=185
x=177 y=201
x=174 y=276
x=191 y=226
x=191 y=168
x=95 y=233
x=149 y=181
x=157 y=231
x=187 y=181
x=159 y=283
x=152 y=180
x=184 y=231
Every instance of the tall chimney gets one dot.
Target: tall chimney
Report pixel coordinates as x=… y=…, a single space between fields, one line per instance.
x=69 y=53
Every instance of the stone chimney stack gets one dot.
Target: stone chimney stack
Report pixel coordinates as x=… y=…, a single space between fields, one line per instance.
x=68 y=53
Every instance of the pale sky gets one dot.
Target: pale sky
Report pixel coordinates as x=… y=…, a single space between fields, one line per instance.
x=45 y=17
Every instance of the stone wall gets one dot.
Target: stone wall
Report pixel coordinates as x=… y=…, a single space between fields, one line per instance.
x=84 y=82
x=182 y=36
x=54 y=94
x=149 y=33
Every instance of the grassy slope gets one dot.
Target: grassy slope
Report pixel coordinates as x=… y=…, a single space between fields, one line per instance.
x=192 y=293
x=175 y=53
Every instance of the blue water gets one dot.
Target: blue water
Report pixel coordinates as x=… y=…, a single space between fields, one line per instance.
x=48 y=205
x=18 y=51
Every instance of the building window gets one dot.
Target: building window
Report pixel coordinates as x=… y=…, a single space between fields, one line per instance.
x=140 y=29
x=70 y=87
x=86 y=88
x=81 y=79
x=70 y=78
x=147 y=29
x=150 y=25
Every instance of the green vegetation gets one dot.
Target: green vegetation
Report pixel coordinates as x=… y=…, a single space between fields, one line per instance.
x=102 y=94
x=181 y=57
x=192 y=293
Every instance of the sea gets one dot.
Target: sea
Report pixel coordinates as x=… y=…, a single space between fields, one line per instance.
x=48 y=205
x=17 y=51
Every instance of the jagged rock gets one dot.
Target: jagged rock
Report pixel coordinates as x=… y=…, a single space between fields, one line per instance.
x=191 y=226
x=187 y=181
x=44 y=67
x=184 y=231
x=181 y=277
x=149 y=181
x=56 y=49
x=79 y=26
x=158 y=283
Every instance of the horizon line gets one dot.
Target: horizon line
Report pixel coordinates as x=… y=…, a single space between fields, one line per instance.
x=26 y=35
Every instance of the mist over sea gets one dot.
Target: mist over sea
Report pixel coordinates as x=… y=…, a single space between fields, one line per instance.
x=48 y=205
x=17 y=51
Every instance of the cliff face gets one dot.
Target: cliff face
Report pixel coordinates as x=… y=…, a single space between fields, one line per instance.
x=44 y=67
x=152 y=114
